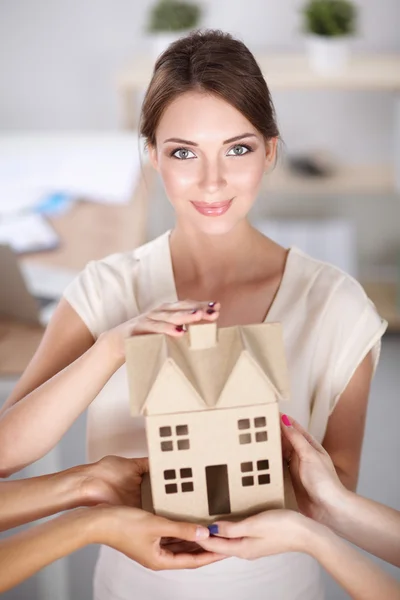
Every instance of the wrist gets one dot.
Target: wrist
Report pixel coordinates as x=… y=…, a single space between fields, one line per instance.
x=336 y=509
x=109 y=347
x=101 y=523
x=302 y=531
x=71 y=491
x=87 y=484
x=316 y=537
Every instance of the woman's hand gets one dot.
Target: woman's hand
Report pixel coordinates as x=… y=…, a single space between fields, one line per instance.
x=318 y=489
x=270 y=532
x=114 y=480
x=139 y=534
x=171 y=319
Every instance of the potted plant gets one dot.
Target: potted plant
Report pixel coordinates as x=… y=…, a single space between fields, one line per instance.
x=329 y=23
x=170 y=20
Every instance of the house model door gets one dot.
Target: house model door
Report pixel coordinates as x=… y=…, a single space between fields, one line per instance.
x=218 y=490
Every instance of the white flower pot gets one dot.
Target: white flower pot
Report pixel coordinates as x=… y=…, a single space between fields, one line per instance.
x=161 y=41
x=326 y=55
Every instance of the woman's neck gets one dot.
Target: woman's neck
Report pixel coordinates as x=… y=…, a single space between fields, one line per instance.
x=215 y=258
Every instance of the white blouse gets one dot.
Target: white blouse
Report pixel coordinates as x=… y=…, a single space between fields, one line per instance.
x=329 y=326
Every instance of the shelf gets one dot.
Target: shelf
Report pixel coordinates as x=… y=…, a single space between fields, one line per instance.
x=356 y=179
x=363 y=72
x=292 y=71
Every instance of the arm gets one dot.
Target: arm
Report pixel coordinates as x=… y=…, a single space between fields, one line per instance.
x=321 y=495
x=368 y=524
x=345 y=431
x=113 y=480
x=27 y=500
x=361 y=578
x=128 y=530
x=65 y=340
x=278 y=531
x=49 y=410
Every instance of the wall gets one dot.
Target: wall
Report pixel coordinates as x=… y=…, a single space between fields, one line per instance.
x=58 y=62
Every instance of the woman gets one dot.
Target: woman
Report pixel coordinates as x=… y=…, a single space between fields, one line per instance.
x=320 y=494
x=210 y=128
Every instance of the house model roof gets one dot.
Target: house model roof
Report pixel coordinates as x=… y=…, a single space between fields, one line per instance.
x=207 y=368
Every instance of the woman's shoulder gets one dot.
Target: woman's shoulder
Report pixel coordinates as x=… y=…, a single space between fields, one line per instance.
x=326 y=283
x=124 y=264
x=110 y=290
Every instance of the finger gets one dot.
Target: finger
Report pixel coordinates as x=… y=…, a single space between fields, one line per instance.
x=230 y=529
x=147 y=325
x=226 y=547
x=178 y=317
x=190 y=305
x=141 y=465
x=287 y=448
x=301 y=441
x=179 y=546
x=310 y=438
x=183 y=531
x=168 y=560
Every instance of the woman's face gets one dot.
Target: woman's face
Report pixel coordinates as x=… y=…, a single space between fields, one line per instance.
x=211 y=160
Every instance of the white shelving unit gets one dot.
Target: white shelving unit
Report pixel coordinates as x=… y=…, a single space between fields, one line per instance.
x=292 y=72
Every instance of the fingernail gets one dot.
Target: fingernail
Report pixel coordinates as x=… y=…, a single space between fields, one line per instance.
x=194 y=311
x=286 y=421
x=210 y=311
x=213 y=529
x=179 y=328
x=211 y=304
x=201 y=533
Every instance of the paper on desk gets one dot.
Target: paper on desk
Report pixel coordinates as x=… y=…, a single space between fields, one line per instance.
x=96 y=167
x=27 y=233
x=46 y=282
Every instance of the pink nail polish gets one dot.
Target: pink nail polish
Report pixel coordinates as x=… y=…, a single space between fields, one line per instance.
x=286 y=421
x=179 y=328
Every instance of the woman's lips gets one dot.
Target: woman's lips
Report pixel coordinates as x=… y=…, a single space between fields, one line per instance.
x=212 y=210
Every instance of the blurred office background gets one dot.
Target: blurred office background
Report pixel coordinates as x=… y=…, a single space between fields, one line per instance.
x=75 y=185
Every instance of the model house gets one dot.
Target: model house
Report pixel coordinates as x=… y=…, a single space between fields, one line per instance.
x=210 y=399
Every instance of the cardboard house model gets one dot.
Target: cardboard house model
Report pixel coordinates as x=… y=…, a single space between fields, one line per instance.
x=210 y=399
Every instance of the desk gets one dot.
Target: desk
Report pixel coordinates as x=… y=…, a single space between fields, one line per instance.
x=88 y=231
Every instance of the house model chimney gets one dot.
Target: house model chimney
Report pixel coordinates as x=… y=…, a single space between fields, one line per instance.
x=202 y=336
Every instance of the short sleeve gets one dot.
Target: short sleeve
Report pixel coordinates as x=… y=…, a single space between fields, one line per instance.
x=103 y=293
x=352 y=329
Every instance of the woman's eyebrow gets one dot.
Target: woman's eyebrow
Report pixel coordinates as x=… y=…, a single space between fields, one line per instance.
x=239 y=137
x=229 y=141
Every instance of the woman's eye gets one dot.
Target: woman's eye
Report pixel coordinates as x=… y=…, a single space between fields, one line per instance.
x=183 y=154
x=239 y=150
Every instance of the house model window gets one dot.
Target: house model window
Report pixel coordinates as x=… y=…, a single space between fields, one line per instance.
x=255 y=474
x=181 y=480
x=210 y=399
x=255 y=430
x=174 y=438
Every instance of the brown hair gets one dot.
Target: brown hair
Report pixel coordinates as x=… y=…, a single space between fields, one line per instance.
x=213 y=62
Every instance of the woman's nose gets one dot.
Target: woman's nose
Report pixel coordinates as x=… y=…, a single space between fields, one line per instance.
x=213 y=178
